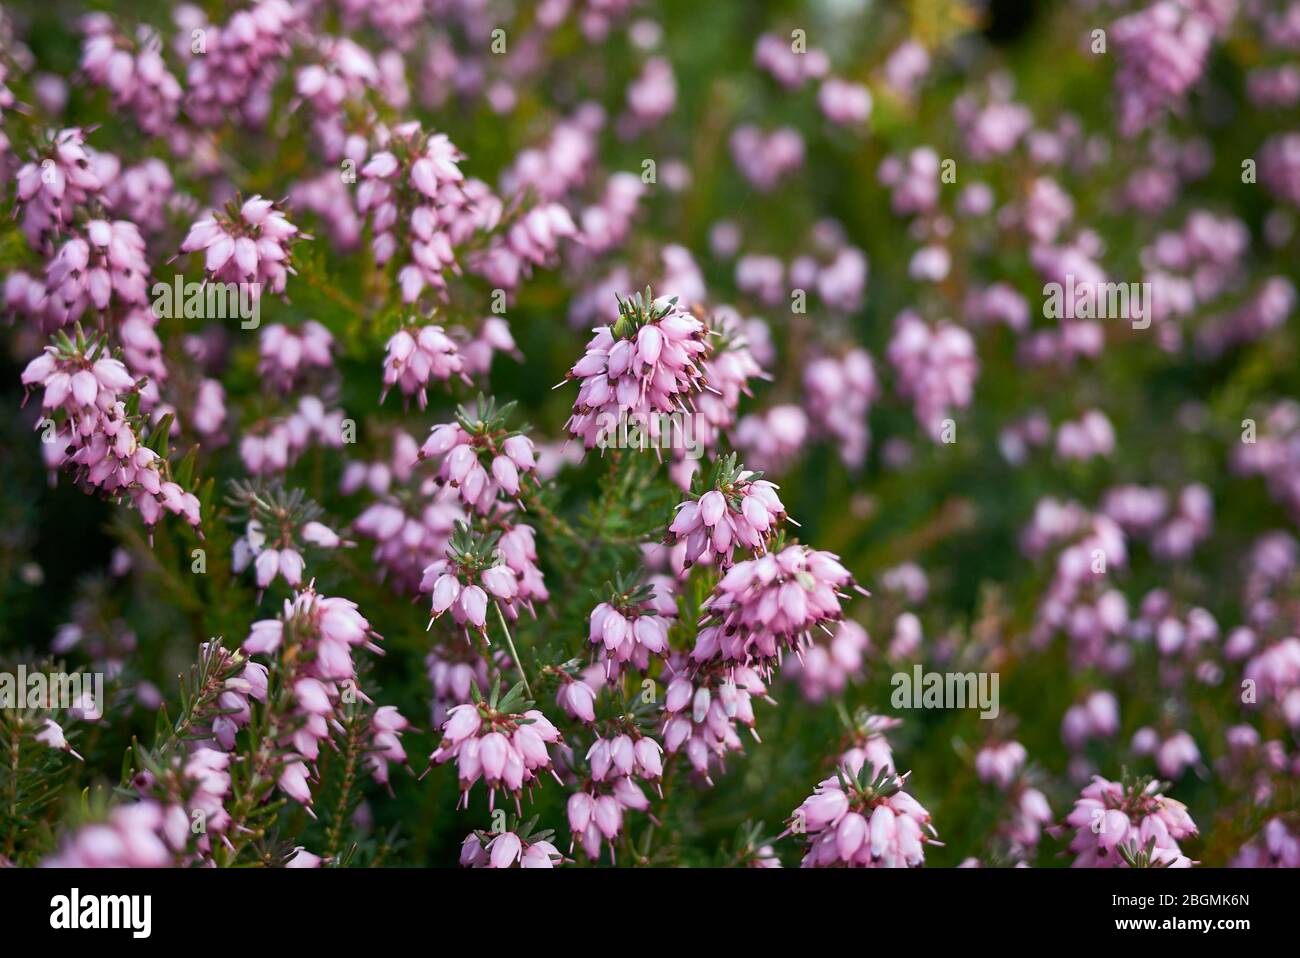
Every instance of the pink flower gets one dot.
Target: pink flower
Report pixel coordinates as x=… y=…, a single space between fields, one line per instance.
x=480 y=457
x=507 y=749
x=134 y=73
x=632 y=626
x=247 y=244
x=766 y=605
x=647 y=363
x=414 y=358
x=521 y=847
x=739 y=510
x=862 y=818
x=1117 y=824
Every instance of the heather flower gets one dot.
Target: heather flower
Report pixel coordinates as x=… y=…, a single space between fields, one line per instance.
x=792 y=69
x=454 y=671
x=1092 y=435
x=248 y=243
x=272 y=446
x=415 y=357
x=1116 y=823
x=730 y=366
x=470 y=577
x=386 y=728
x=993 y=129
x=414 y=185
x=1174 y=753
x=1275 y=674
x=531 y=241
x=312 y=643
x=1163 y=50
x=502 y=740
x=651 y=96
x=631 y=625
x=765 y=606
x=766 y=159
x=862 y=818
x=54 y=185
x=85 y=395
x=134 y=73
x=279 y=527
x=289 y=355
x=839 y=392
x=936 y=366
x=827 y=666
x=647 y=363
x=914 y=181
x=1000 y=763
x=1276 y=846
x=739 y=509
x=240 y=63
x=1279 y=166
x=562 y=163
x=103 y=266
x=906 y=67
x=133 y=836
x=771 y=439
x=577 y=696
x=844 y=102
x=606 y=224
x=410 y=531
x=596 y=812
x=1096 y=717
x=701 y=712
x=520 y=846
x=480 y=457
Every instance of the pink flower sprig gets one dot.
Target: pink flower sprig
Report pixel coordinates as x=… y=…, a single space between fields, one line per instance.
x=863 y=819
x=650 y=361
x=385 y=730
x=1128 y=824
x=472 y=576
x=279 y=526
x=765 y=606
x=57 y=183
x=416 y=196
x=631 y=625
x=416 y=356
x=502 y=740
x=288 y=354
x=701 y=712
x=480 y=456
x=312 y=645
x=246 y=243
x=242 y=59
x=518 y=846
x=134 y=73
x=740 y=509
x=91 y=406
x=102 y=264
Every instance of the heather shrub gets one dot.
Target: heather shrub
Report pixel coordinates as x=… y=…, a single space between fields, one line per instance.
x=649 y=434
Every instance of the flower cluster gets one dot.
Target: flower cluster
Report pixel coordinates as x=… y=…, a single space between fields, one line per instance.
x=502 y=740
x=862 y=818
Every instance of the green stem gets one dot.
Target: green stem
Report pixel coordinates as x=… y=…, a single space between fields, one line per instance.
x=513 y=654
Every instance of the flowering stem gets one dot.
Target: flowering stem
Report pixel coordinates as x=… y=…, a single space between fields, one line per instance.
x=351 y=751
x=510 y=642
